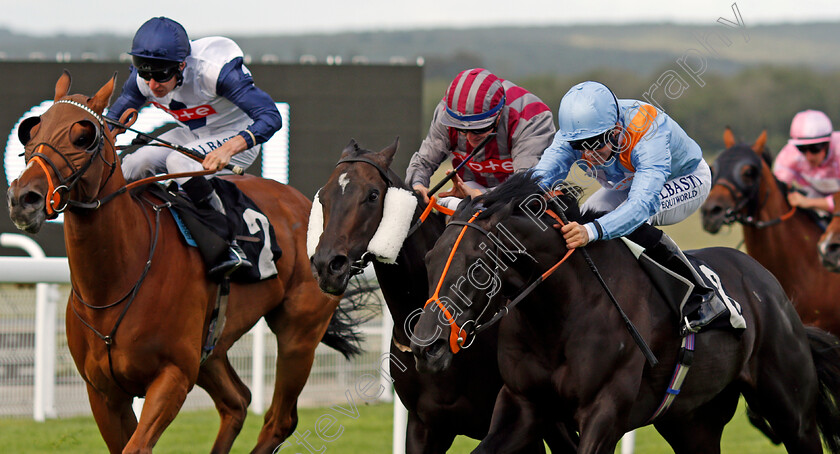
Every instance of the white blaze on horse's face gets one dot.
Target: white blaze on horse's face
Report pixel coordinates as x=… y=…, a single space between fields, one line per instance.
x=30 y=164
x=343 y=179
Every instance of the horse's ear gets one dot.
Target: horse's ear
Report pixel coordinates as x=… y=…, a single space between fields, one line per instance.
x=760 y=143
x=389 y=152
x=102 y=98
x=728 y=138
x=62 y=86
x=350 y=148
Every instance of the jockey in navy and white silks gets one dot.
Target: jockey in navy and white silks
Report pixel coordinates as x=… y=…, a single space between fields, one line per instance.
x=476 y=104
x=652 y=173
x=222 y=115
x=214 y=100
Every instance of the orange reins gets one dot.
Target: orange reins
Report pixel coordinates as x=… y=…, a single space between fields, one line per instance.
x=456 y=339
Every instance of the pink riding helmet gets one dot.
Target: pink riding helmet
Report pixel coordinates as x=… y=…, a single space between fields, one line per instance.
x=810 y=126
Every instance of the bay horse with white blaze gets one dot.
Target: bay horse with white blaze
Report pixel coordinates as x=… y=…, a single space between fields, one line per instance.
x=357 y=201
x=130 y=268
x=566 y=357
x=782 y=238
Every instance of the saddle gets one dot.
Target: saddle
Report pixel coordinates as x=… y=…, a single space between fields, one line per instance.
x=211 y=232
x=675 y=290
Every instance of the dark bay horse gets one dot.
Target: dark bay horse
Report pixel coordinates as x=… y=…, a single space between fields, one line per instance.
x=440 y=406
x=782 y=239
x=130 y=268
x=566 y=357
x=829 y=244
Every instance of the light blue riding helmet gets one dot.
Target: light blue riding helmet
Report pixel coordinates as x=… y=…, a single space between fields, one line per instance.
x=588 y=109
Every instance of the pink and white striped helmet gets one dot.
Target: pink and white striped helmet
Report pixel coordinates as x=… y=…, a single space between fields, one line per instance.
x=810 y=126
x=473 y=100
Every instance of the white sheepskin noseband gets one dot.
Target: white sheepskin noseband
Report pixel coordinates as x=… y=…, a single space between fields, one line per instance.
x=397 y=214
x=386 y=243
x=316 y=226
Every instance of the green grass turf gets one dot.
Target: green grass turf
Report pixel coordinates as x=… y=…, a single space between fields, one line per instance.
x=370 y=432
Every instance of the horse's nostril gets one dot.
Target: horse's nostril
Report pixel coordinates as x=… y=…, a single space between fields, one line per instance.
x=31 y=198
x=832 y=248
x=338 y=264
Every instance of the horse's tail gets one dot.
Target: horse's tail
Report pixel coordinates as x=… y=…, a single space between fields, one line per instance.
x=359 y=304
x=825 y=349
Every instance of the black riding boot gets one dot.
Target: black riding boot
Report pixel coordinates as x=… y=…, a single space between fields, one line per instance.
x=203 y=195
x=679 y=282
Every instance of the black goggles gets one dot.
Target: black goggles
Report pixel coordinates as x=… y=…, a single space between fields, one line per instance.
x=812 y=148
x=477 y=132
x=592 y=143
x=159 y=75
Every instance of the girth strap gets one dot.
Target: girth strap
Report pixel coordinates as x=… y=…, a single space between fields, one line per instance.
x=684 y=360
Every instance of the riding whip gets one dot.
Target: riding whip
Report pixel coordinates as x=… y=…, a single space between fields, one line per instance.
x=634 y=333
x=179 y=148
x=448 y=177
x=451 y=174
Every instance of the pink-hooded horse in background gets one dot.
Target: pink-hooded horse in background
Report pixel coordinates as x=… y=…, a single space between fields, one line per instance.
x=783 y=239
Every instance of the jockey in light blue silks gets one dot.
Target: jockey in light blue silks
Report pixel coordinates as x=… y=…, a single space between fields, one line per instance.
x=652 y=173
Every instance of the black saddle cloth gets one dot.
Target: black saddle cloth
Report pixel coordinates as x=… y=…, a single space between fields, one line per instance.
x=243 y=221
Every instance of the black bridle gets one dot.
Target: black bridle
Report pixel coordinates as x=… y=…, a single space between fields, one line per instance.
x=358 y=266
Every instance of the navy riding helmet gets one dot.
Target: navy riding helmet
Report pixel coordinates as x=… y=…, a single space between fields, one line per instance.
x=159 y=46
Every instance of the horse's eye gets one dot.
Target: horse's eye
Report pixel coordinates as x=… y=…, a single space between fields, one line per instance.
x=84 y=135
x=373 y=196
x=750 y=172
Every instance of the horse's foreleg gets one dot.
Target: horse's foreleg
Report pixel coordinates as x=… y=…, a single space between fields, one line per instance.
x=421 y=439
x=230 y=395
x=299 y=325
x=164 y=398
x=114 y=417
x=600 y=427
x=514 y=427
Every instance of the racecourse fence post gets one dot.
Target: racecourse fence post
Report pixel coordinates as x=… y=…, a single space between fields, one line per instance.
x=258 y=368
x=43 y=405
x=400 y=425
x=385 y=349
x=628 y=442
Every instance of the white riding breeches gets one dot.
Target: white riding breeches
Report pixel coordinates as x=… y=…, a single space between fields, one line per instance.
x=151 y=160
x=678 y=199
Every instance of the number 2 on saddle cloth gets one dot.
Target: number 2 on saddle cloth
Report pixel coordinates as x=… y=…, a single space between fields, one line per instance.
x=212 y=232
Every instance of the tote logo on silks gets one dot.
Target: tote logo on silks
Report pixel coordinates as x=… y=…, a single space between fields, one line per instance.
x=486 y=166
x=184 y=115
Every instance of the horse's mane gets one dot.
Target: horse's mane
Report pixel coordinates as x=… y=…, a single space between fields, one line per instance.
x=520 y=187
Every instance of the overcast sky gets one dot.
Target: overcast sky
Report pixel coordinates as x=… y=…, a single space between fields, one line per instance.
x=207 y=17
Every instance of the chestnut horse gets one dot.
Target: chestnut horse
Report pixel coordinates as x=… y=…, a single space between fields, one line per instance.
x=355 y=200
x=566 y=357
x=130 y=268
x=829 y=244
x=781 y=238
